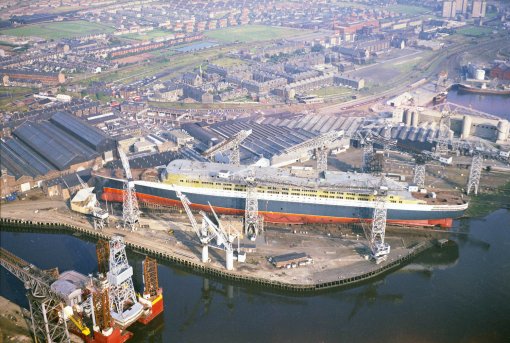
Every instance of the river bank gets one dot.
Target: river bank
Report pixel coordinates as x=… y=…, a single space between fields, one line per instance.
x=13 y=323
x=457 y=293
x=338 y=257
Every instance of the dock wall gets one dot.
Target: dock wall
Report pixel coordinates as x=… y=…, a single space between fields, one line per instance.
x=207 y=270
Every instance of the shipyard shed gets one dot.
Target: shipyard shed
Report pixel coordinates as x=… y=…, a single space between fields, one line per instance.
x=46 y=145
x=265 y=141
x=86 y=134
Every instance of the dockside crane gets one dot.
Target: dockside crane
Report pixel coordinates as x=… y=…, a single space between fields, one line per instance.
x=321 y=145
x=204 y=236
x=46 y=307
x=375 y=234
x=130 y=209
x=231 y=146
x=253 y=222
x=367 y=138
x=223 y=239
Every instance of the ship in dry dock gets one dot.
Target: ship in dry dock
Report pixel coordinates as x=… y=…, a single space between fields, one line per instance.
x=338 y=197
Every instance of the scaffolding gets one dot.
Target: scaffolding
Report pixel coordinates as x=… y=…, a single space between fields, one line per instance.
x=150 y=276
x=103 y=256
x=419 y=174
x=475 y=173
x=101 y=305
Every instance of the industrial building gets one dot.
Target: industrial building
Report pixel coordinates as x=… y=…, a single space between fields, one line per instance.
x=11 y=75
x=265 y=141
x=44 y=150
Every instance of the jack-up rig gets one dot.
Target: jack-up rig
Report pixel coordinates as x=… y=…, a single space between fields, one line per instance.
x=96 y=309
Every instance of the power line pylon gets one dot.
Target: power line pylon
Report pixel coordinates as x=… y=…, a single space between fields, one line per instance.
x=475 y=173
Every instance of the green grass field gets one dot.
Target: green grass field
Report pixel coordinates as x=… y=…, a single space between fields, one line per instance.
x=408 y=10
x=472 y=31
x=332 y=91
x=252 y=33
x=228 y=62
x=56 y=30
x=147 y=35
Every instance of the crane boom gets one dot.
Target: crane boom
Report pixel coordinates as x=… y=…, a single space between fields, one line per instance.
x=125 y=164
x=34 y=278
x=320 y=141
x=201 y=232
x=233 y=143
x=45 y=305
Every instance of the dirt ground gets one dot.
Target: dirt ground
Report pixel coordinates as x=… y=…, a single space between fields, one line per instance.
x=14 y=325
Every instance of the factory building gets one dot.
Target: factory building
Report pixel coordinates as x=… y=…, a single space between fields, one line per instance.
x=10 y=76
x=45 y=150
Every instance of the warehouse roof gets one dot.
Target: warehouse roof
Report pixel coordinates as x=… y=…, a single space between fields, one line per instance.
x=46 y=145
x=89 y=135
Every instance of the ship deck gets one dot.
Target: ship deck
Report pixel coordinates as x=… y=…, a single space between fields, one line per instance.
x=334 y=180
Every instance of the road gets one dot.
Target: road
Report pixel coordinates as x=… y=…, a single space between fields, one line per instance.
x=447 y=59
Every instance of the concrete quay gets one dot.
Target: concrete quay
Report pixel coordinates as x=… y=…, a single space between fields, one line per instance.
x=338 y=257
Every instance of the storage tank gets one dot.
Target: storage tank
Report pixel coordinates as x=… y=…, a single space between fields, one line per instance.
x=502 y=130
x=466 y=126
x=415 y=118
x=479 y=74
x=407 y=117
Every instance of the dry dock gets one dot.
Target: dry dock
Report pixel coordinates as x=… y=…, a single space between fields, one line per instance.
x=338 y=253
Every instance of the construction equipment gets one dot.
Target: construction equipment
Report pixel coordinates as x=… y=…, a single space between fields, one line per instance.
x=475 y=172
x=375 y=234
x=202 y=232
x=85 y=201
x=103 y=256
x=367 y=138
x=130 y=209
x=210 y=231
x=223 y=239
x=230 y=146
x=46 y=307
x=321 y=145
x=152 y=294
x=253 y=222
x=123 y=302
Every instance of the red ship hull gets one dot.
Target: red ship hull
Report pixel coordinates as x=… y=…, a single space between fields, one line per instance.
x=115 y=195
